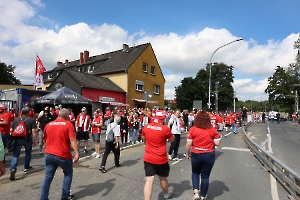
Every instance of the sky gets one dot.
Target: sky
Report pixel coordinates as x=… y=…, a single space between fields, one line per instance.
x=183 y=35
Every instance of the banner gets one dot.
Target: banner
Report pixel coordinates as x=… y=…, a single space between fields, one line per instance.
x=39 y=70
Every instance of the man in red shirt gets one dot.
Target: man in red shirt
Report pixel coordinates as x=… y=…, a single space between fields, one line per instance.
x=58 y=136
x=5 y=123
x=13 y=114
x=155 y=135
x=82 y=123
x=228 y=121
x=96 y=131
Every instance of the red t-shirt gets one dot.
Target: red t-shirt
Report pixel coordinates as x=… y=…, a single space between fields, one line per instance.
x=97 y=129
x=203 y=139
x=57 y=135
x=220 y=120
x=213 y=119
x=233 y=118
x=156 y=135
x=83 y=122
x=228 y=119
x=6 y=117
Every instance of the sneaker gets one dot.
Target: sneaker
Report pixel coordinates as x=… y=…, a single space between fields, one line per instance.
x=119 y=165
x=137 y=142
x=85 y=151
x=169 y=157
x=184 y=154
x=98 y=155
x=94 y=154
x=170 y=192
x=102 y=169
x=196 y=197
x=70 y=197
x=27 y=169
x=12 y=174
x=40 y=153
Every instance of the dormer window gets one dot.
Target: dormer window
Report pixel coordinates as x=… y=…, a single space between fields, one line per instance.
x=49 y=75
x=145 y=67
x=80 y=69
x=153 y=70
x=90 y=69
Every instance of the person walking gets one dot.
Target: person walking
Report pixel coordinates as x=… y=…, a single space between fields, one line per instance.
x=82 y=124
x=200 y=148
x=113 y=133
x=155 y=135
x=31 y=138
x=174 y=125
x=42 y=121
x=5 y=123
x=96 y=131
x=59 y=134
x=135 y=127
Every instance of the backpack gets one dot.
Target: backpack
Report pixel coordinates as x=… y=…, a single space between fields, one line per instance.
x=111 y=135
x=20 y=130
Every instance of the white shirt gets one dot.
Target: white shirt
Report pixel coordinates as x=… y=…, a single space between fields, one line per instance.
x=115 y=127
x=175 y=125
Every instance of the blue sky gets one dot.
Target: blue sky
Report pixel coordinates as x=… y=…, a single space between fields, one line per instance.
x=184 y=34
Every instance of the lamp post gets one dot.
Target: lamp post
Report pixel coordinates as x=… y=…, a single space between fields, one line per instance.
x=234 y=93
x=209 y=78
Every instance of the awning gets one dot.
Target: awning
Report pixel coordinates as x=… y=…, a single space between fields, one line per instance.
x=142 y=100
x=114 y=103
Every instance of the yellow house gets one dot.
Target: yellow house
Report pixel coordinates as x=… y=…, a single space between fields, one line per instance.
x=134 y=69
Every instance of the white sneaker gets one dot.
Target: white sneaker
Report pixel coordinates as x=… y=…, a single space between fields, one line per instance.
x=98 y=155
x=170 y=192
x=137 y=142
x=196 y=197
x=94 y=154
x=169 y=157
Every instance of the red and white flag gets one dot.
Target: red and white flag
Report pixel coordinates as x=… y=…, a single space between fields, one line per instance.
x=39 y=70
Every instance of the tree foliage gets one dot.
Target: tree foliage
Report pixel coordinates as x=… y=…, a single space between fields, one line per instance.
x=7 y=74
x=191 y=89
x=284 y=85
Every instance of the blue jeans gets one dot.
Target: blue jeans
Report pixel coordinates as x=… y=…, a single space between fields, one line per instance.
x=202 y=164
x=233 y=127
x=134 y=135
x=27 y=143
x=51 y=164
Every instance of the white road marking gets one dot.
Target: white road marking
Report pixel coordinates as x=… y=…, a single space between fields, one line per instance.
x=274 y=190
x=235 y=149
x=270 y=140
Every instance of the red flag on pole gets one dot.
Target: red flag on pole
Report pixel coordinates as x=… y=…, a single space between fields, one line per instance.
x=39 y=70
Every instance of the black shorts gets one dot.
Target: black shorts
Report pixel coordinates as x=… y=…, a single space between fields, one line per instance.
x=228 y=125
x=244 y=118
x=82 y=135
x=159 y=169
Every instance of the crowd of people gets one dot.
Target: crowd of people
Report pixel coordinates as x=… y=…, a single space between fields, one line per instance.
x=56 y=130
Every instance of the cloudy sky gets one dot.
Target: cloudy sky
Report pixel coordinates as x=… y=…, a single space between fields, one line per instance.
x=183 y=34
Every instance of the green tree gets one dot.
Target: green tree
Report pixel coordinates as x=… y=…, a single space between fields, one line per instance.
x=197 y=88
x=7 y=74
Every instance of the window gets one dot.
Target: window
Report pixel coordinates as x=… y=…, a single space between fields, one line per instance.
x=90 y=69
x=152 y=70
x=139 y=85
x=156 y=89
x=145 y=67
x=49 y=75
x=79 y=69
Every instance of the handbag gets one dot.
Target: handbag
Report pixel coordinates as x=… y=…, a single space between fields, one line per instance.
x=111 y=136
x=10 y=143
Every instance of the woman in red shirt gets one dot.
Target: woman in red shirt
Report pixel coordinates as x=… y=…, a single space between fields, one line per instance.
x=200 y=148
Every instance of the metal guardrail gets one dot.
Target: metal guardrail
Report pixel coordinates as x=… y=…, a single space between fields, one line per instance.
x=289 y=179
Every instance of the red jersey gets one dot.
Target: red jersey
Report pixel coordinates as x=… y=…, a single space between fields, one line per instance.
x=156 y=135
x=71 y=117
x=13 y=115
x=220 y=120
x=6 y=117
x=57 y=136
x=228 y=119
x=97 y=129
x=203 y=139
x=107 y=114
x=83 y=122
x=213 y=119
x=233 y=118
x=129 y=121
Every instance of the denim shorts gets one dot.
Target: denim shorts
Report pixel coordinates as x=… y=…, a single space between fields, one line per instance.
x=96 y=137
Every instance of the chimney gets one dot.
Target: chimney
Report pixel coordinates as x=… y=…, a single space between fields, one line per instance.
x=86 y=56
x=125 y=47
x=58 y=63
x=81 y=58
x=66 y=61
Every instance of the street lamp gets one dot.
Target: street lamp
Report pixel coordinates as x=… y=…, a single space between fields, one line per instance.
x=209 y=78
x=234 y=93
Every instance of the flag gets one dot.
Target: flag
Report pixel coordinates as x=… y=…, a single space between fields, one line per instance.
x=39 y=70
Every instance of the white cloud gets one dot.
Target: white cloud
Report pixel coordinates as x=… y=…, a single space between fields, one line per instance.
x=179 y=56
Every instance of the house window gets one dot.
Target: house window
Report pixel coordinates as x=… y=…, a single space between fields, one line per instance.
x=49 y=75
x=145 y=67
x=152 y=70
x=139 y=85
x=156 y=89
x=90 y=69
x=79 y=69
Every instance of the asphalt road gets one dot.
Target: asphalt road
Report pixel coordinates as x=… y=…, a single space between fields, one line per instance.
x=236 y=175
x=282 y=140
